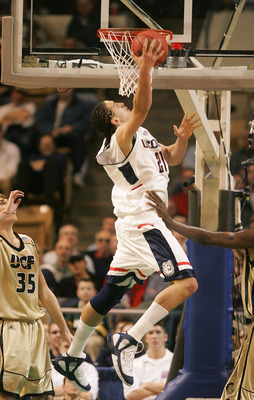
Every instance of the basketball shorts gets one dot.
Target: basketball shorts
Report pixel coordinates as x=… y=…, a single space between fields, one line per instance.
x=241 y=383
x=24 y=359
x=144 y=248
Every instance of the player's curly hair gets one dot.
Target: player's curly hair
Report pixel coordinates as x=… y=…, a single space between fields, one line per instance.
x=101 y=120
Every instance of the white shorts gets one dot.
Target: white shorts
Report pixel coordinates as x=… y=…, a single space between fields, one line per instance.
x=24 y=359
x=146 y=247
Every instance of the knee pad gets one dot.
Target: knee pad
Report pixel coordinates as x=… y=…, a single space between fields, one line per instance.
x=107 y=298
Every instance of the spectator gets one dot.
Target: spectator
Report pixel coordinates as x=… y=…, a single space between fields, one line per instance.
x=239 y=179
x=85 y=292
x=9 y=161
x=67 y=118
x=68 y=286
x=53 y=274
x=180 y=238
x=69 y=232
x=245 y=151
x=150 y=370
x=98 y=261
x=108 y=224
x=240 y=184
x=180 y=192
x=85 y=22
x=17 y=118
x=42 y=172
x=64 y=388
x=54 y=335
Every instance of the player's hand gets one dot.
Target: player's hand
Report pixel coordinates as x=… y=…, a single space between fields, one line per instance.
x=13 y=202
x=151 y=53
x=188 y=125
x=68 y=336
x=159 y=206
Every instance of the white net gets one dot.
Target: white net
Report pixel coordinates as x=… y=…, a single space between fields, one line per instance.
x=119 y=48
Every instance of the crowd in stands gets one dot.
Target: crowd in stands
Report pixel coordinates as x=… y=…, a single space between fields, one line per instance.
x=44 y=147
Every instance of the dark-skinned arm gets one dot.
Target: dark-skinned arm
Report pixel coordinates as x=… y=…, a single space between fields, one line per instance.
x=142 y=100
x=232 y=240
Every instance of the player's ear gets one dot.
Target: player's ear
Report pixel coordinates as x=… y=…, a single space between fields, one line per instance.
x=114 y=121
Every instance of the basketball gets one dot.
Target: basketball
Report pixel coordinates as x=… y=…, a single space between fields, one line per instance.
x=137 y=44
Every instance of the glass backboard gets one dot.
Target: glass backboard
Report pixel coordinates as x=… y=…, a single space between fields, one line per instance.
x=40 y=48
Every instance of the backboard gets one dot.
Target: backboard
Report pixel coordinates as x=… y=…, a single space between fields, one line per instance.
x=32 y=63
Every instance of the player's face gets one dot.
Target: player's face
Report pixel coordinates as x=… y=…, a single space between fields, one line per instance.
x=121 y=113
x=3 y=202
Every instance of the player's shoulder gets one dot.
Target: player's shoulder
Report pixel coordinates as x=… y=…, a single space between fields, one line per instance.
x=27 y=239
x=143 y=132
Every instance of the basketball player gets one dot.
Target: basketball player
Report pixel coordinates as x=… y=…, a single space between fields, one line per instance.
x=135 y=161
x=24 y=355
x=241 y=383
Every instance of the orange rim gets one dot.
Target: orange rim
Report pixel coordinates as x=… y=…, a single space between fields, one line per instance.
x=120 y=32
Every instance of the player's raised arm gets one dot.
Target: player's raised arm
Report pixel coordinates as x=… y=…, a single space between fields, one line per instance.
x=174 y=153
x=142 y=100
x=232 y=240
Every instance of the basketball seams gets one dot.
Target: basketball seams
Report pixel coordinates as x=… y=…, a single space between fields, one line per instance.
x=137 y=44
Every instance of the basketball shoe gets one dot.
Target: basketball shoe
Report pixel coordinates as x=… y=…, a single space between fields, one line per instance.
x=74 y=369
x=123 y=348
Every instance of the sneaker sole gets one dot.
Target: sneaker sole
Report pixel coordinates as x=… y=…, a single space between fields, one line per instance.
x=115 y=361
x=63 y=372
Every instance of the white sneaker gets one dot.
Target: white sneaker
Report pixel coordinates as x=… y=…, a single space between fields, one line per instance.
x=74 y=369
x=123 y=348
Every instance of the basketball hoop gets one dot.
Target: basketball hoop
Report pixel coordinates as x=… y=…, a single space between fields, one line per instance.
x=118 y=43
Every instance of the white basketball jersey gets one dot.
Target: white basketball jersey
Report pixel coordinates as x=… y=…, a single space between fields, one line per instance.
x=143 y=169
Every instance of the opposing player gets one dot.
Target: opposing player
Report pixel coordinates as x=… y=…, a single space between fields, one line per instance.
x=24 y=356
x=136 y=162
x=241 y=383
